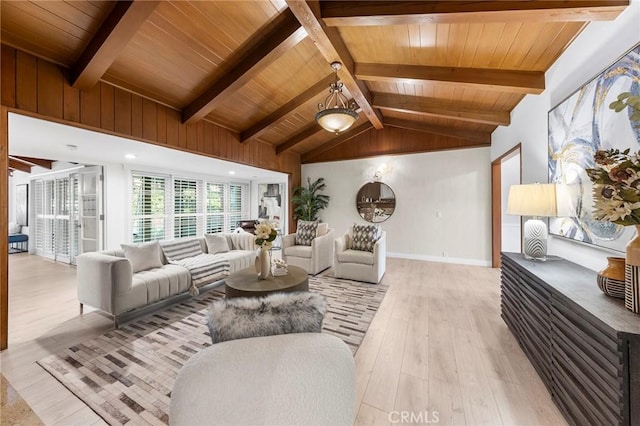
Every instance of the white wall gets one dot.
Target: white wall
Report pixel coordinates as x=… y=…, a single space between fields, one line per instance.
x=442 y=202
x=510 y=175
x=598 y=46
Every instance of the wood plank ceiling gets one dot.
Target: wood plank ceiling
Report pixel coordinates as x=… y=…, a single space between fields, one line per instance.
x=259 y=68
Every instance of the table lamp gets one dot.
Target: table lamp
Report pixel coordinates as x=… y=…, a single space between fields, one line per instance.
x=538 y=200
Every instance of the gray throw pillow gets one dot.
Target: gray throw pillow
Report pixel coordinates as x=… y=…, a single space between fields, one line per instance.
x=364 y=237
x=216 y=243
x=278 y=313
x=306 y=232
x=143 y=256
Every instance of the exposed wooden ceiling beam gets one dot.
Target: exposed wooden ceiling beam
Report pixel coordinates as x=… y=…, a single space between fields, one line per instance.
x=469 y=135
x=111 y=38
x=47 y=164
x=306 y=133
x=17 y=165
x=341 y=138
x=528 y=82
x=433 y=108
x=286 y=32
x=332 y=47
x=359 y=13
x=275 y=117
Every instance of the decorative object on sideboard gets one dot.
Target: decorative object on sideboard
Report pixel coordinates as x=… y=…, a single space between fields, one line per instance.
x=538 y=200
x=611 y=278
x=582 y=124
x=616 y=195
x=632 y=274
x=265 y=234
x=337 y=113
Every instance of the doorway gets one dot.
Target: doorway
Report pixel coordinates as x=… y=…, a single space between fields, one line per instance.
x=506 y=230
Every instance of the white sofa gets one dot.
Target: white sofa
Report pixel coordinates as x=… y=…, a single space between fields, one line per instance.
x=360 y=265
x=106 y=279
x=287 y=379
x=314 y=258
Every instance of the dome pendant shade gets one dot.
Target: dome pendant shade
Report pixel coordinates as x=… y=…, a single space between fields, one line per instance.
x=336 y=114
x=336 y=119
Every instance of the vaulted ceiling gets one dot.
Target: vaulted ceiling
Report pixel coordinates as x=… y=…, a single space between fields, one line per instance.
x=259 y=68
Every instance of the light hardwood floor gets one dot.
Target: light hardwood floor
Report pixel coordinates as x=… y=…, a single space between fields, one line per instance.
x=437 y=351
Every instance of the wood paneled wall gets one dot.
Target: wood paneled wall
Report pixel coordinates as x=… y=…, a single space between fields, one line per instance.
x=388 y=141
x=36 y=87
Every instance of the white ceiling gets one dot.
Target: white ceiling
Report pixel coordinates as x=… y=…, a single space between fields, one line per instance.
x=32 y=137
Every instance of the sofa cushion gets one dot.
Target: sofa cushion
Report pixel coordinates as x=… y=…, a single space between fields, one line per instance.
x=181 y=248
x=306 y=232
x=278 y=313
x=364 y=237
x=216 y=243
x=161 y=283
x=298 y=251
x=356 y=256
x=240 y=259
x=143 y=256
x=241 y=241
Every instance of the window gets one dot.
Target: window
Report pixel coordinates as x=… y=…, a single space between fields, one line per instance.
x=185 y=208
x=215 y=208
x=149 y=211
x=193 y=208
x=237 y=204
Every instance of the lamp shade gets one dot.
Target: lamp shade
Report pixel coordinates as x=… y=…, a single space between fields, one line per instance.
x=336 y=119
x=548 y=200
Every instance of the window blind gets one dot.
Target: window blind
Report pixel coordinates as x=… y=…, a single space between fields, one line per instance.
x=187 y=208
x=215 y=197
x=149 y=207
x=194 y=207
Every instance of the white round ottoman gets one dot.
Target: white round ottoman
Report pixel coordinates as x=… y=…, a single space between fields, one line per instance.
x=287 y=379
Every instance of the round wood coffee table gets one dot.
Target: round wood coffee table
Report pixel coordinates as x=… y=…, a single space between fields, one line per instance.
x=246 y=283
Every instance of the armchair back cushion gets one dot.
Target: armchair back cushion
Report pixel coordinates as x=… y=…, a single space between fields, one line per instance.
x=306 y=232
x=323 y=228
x=364 y=237
x=143 y=256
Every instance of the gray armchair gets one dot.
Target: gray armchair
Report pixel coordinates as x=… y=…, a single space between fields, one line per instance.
x=314 y=258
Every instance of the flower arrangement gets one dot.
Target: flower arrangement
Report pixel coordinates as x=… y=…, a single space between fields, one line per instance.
x=616 y=189
x=265 y=233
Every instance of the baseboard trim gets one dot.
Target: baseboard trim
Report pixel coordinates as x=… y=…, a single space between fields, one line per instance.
x=457 y=260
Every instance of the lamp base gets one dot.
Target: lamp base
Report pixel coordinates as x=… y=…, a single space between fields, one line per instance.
x=535 y=240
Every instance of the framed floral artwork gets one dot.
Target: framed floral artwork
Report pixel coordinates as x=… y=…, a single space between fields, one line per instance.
x=579 y=126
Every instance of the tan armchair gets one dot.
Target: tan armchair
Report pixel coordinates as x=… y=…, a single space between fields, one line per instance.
x=360 y=265
x=314 y=258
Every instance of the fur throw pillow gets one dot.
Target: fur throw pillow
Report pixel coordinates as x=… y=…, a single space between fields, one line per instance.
x=278 y=313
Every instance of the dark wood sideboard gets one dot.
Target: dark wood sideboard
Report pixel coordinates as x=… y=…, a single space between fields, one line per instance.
x=584 y=345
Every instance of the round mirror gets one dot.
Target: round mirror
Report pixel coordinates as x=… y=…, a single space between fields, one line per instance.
x=375 y=202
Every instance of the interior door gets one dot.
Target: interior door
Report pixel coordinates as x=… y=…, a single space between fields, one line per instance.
x=90 y=215
x=74 y=218
x=62 y=231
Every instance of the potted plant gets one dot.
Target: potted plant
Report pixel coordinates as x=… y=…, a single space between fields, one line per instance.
x=308 y=202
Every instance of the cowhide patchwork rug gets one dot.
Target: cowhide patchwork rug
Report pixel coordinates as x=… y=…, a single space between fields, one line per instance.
x=126 y=375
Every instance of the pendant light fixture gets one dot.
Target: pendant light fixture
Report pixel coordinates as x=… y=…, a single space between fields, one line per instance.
x=336 y=114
